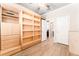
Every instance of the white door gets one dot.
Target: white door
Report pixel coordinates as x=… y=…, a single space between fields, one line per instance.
x=61 y=29
x=44 y=30
x=51 y=30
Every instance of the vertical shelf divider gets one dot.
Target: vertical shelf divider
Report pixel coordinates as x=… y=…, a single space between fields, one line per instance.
x=20 y=22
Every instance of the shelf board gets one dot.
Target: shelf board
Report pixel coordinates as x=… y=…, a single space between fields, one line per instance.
x=27 y=30
x=36 y=25
x=27 y=17
x=37 y=30
x=24 y=44
x=27 y=36
x=37 y=17
x=27 y=13
x=27 y=24
x=36 y=20
x=37 y=34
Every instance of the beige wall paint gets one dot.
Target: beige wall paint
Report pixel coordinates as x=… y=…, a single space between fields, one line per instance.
x=72 y=11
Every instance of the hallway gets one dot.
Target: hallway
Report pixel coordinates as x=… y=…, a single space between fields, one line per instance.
x=45 y=48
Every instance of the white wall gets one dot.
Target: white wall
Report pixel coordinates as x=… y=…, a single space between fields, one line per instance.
x=72 y=11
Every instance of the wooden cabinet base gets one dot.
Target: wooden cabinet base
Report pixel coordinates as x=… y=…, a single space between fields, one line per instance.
x=31 y=43
x=10 y=51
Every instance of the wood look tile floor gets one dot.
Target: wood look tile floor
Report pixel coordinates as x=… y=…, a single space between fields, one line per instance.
x=45 y=48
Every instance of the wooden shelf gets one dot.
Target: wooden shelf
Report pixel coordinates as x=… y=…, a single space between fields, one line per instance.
x=25 y=16
x=37 y=17
x=26 y=40
x=27 y=36
x=36 y=25
x=36 y=37
x=27 y=24
x=27 y=27
x=36 y=34
x=27 y=19
x=27 y=13
x=37 y=30
x=36 y=20
x=31 y=43
x=27 y=30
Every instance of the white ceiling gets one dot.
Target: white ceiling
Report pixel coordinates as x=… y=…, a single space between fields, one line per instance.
x=42 y=10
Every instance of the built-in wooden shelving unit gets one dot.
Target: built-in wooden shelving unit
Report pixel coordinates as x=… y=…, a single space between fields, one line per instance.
x=20 y=28
x=37 y=27
x=10 y=30
x=27 y=27
x=30 y=28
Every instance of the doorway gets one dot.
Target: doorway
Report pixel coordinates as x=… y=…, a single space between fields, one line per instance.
x=52 y=30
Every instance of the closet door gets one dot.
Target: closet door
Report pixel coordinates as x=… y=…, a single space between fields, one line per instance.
x=44 y=30
x=61 y=29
